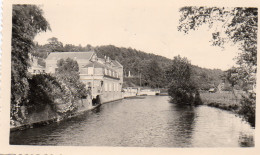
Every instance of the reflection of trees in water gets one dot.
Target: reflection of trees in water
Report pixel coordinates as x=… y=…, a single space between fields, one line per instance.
x=33 y=136
x=96 y=110
x=48 y=133
x=183 y=125
x=246 y=140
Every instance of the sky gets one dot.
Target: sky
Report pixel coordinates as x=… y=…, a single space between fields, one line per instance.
x=144 y=25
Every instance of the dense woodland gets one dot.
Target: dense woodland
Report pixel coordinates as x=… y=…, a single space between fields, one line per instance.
x=150 y=68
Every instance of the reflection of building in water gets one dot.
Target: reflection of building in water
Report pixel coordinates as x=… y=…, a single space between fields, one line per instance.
x=101 y=75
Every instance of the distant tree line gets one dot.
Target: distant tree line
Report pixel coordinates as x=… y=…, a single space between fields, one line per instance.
x=150 y=68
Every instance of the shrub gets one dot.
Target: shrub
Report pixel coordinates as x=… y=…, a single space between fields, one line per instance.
x=247 y=109
x=182 y=88
x=44 y=89
x=63 y=87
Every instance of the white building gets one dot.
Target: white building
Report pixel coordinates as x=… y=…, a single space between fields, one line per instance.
x=35 y=68
x=104 y=77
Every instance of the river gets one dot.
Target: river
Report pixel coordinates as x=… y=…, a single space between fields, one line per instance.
x=148 y=122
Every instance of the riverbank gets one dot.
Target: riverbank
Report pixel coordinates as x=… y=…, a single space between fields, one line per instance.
x=224 y=100
x=37 y=120
x=148 y=122
x=47 y=116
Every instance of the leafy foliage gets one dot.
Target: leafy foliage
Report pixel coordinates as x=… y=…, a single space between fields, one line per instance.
x=27 y=21
x=238 y=25
x=231 y=76
x=148 y=66
x=44 y=90
x=153 y=75
x=182 y=89
x=64 y=87
x=248 y=108
x=206 y=78
x=54 y=45
x=68 y=74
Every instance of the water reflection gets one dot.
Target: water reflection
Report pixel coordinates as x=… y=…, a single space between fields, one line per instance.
x=183 y=125
x=246 y=140
x=149 y=122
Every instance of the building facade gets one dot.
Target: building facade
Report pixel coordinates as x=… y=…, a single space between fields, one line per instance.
x=35 y=68
x=102 y=76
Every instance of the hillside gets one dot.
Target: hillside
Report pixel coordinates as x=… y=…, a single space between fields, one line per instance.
x=134 y=61
x=150 y=67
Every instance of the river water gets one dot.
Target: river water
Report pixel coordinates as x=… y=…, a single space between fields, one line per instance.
x=148 y=122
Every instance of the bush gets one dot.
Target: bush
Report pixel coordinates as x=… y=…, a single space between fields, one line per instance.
x=182 y=88
x=44 y=89
x=184 y=93
x=63 y=87
x=247 y=110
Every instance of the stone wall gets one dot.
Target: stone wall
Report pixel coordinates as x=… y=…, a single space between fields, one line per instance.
x=48 y=114
x=110 y=96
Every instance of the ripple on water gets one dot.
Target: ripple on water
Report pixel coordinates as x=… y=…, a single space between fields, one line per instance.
x=149 y=122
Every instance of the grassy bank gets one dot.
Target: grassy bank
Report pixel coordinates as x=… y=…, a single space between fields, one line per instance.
x=224 y=100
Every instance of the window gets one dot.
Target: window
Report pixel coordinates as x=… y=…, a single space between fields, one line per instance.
x=90 y=70
x=114 y=87
x=105 y=86
x=110 y=86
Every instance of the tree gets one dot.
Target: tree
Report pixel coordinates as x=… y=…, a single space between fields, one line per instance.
x=153 y=74
x=55 y=45
x=232 y=78
x=248 y=108
x=238 y=25
x=44 y=90
x=68 y=75
x=181 y=89
x=63 y=88
x=27 y=22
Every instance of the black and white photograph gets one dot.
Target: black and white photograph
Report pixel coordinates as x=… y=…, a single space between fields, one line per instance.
x=132 y=74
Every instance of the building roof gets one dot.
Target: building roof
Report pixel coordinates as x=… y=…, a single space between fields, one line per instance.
x=97 y=65
x=116 y=63
x=72 y=55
